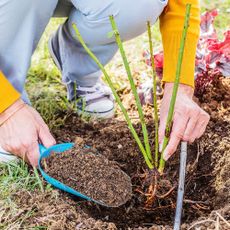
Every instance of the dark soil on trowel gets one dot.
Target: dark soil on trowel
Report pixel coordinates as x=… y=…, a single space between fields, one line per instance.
x=90 y=174
x=207 y=180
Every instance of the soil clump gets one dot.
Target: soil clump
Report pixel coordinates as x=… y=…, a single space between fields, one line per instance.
x=91 y=174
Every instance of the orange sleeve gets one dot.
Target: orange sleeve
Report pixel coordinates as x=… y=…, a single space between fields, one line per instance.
x=171 y=26
x=8 y=95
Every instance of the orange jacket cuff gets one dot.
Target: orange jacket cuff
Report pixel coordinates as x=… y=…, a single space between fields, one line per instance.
x=8 y=95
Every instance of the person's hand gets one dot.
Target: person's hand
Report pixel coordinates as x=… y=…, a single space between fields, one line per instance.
x=189 y=121
x=23 y=131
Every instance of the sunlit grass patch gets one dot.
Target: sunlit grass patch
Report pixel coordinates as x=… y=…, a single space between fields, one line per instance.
x=14 y=177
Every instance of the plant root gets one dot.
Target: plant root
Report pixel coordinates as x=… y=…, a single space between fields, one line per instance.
x=152 y=190
x=167 y=193
x=152 y=184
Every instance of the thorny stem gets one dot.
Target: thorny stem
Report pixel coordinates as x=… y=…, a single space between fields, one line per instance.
x=133 y=87
x=127 y=118
x=154 y=95
x=175 y=88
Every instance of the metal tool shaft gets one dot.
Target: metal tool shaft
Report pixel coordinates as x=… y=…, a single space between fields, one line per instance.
x=180 y=193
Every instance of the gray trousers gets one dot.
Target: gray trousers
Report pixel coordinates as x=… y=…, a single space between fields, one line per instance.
x=22 y=23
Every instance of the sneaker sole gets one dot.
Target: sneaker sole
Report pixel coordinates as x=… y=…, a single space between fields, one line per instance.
x=106 y=115
x=6 y=157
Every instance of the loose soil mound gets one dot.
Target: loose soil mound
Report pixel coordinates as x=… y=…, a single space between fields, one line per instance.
x=38 y=210
x=206 y=203
x=90 y=174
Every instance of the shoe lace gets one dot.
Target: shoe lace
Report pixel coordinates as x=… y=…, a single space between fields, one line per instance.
x=97 y=91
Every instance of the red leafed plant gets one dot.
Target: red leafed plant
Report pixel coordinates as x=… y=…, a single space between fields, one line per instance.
x=158 y=60
x=212 y=56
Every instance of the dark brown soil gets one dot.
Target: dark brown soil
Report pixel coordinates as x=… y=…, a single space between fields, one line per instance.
x=207 y=180
x=50 y=210
x=90 y=174
x=203 y=193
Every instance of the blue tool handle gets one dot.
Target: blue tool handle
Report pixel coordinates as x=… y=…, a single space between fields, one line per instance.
x=42 y=148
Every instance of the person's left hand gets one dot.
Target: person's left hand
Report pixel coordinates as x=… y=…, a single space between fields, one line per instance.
x=189 y=121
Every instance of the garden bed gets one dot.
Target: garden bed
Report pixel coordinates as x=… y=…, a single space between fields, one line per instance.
x=207 y=181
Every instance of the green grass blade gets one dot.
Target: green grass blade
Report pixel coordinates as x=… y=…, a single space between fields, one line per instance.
x=38 y=178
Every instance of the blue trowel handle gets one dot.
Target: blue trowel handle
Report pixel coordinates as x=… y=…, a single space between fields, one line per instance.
x=42 y=148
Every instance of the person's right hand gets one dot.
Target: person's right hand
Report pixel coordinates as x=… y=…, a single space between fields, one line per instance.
x=22 y=132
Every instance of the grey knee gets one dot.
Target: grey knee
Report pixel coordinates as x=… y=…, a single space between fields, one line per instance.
x=132 y=18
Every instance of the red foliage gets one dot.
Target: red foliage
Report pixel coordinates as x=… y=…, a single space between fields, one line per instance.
x=207 y=20
x=158 y=61
x=212 y=57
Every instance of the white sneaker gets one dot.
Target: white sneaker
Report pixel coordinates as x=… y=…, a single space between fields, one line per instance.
x=6 y=157
x=96 y=101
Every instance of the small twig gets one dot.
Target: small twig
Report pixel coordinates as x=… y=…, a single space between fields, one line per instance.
x=217 y=227
x=202 y=207
x=180 y=194
x=222 y=218
x=201 y=222
x=194 y=202
x=200 y=152
x=45 y=164
x=71 y=178
x=217 y=222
